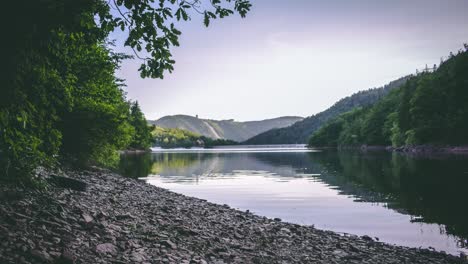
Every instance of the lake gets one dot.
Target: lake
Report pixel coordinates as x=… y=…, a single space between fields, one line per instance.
x=409 y=201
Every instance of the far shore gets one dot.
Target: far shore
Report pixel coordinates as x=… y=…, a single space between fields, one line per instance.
x=134 y=151
x=420 y=150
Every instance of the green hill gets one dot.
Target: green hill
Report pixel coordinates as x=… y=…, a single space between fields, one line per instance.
x=179 y=138
x=299 y=132
x=224 y=129
x=430 y=108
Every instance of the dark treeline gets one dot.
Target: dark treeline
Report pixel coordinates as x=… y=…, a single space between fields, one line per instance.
x=299 y=132
x=430 y=108
x=180 y=138
x=60 y=100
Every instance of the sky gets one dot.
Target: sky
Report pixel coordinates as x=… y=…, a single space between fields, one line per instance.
x=297 y=57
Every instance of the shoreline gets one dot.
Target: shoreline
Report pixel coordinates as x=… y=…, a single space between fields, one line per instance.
x=101 y=217
x=134 y=151
x=419 y=150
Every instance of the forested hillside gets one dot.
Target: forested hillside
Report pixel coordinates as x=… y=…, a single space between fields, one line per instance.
x=179 y=138
x=224 y=129
x=299 y=132
x=431 y=108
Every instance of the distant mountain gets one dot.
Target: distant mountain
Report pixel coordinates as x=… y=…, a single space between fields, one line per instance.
x=227 y=129
x=299 y=132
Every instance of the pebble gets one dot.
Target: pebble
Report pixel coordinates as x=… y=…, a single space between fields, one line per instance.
x=106 y=248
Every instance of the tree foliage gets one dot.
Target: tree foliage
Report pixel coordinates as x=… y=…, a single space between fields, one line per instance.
x=142 y=138
x=430 y=108
x=60 y=97
x=151 y=29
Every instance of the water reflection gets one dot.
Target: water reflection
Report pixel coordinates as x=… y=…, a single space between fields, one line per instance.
x=403 y=200
x=430 y=190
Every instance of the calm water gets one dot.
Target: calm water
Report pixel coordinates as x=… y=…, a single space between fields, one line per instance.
x=416 y=202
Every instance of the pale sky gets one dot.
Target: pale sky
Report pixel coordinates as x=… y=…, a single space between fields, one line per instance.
x=297 y=57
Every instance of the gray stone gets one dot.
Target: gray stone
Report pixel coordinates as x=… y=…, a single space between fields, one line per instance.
x=137 y=257
x=87 y=218
x=169 y=243
x=106 y=248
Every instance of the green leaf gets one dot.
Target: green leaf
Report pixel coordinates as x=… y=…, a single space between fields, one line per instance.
x=206 y=20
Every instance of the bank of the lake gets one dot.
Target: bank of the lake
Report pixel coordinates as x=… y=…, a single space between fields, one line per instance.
x=407 y=200
x=419 y=150
x=121 y=220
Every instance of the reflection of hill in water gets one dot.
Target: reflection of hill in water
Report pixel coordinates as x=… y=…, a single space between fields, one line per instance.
x=432 y=191
x=219 y=165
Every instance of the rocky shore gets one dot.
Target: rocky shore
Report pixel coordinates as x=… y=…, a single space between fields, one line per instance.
x=100 y=217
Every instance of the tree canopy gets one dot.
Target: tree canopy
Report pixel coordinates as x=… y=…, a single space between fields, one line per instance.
x=151 y=29
x=61 y=100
